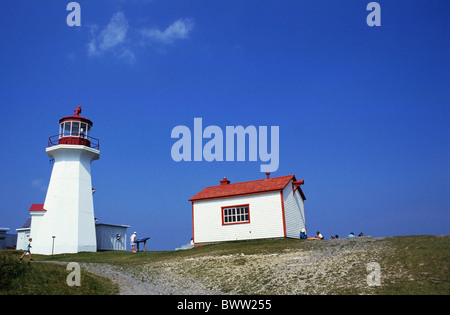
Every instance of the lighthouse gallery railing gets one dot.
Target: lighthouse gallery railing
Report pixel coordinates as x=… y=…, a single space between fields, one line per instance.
x=76 y=140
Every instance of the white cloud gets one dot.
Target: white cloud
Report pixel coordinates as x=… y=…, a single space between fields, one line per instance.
x=180 y=29
x=120 y=40
x=113 y=38
x=115 y=32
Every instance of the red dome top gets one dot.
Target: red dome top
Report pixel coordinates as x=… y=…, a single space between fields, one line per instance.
x=76 y=117
x=74 y=130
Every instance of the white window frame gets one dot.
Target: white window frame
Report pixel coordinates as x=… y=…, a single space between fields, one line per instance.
x=239 y=214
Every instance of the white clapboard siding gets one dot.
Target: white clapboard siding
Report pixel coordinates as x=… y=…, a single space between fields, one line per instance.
x=22 y=238
x=294 y=211
x=266 y=219
x=107 y=236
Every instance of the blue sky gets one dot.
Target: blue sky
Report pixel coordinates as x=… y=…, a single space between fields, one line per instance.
x=363 y=111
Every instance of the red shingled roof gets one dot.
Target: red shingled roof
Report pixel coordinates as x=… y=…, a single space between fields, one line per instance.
x=245 y=188
x=37 y=207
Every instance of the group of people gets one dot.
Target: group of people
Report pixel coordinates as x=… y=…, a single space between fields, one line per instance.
x=303 y=236
x=319 y=236
x=353 y=234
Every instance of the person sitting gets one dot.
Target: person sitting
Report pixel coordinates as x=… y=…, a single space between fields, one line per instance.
x=304 y=236
x=319 y=236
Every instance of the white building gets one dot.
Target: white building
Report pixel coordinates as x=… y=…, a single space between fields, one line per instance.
x=65 y=222
x=267 y=208
x=23 y=234
x=111 y=236
x=108 y=236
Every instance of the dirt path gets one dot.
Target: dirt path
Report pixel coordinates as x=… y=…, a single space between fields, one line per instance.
x=138 y=281
x=332 y=267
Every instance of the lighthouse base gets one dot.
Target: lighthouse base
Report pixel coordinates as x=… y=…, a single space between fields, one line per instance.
x=56 y=248
x=68 y=224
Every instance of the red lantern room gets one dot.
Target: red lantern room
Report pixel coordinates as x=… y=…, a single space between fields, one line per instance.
x=75 y=130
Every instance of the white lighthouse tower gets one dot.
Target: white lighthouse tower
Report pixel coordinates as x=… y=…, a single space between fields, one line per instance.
x=66 y=223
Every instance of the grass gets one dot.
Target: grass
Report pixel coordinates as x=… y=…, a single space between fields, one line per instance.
x=408 y=265
x=425 y=263
x=31 y=278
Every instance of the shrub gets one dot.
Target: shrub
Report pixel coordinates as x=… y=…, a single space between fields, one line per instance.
x=10 y=269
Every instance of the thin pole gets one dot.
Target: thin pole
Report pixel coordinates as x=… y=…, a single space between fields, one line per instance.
x=53 y=243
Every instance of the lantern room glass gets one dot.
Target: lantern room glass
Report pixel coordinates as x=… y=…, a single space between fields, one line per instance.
x=74 y=129
x=85 y=130
x=65 y=129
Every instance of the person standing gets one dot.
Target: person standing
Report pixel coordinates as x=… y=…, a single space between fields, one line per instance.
x=132 y=242
x=27 y=249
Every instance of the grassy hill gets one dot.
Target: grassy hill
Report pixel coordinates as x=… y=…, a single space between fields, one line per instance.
x=35 y=278
x=407 y=265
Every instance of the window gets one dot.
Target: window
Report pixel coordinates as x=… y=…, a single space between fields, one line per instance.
x=66 y=129
x=235 y=214
x=83 y=130
x=75 y=129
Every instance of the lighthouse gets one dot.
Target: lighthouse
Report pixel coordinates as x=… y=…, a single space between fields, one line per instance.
x=65 y=222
